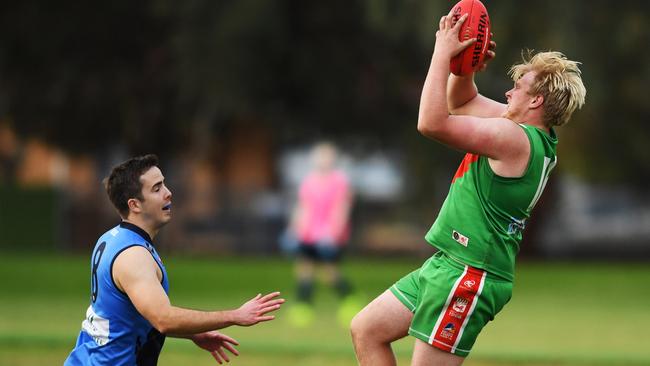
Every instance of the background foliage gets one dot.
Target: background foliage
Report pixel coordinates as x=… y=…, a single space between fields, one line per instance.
x=168 y=74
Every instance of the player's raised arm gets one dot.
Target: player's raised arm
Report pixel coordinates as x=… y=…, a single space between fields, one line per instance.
x=497 y=138
x=464 y=99
x=136 y=273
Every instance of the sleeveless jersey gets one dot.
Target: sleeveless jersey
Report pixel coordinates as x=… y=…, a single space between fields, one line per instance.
x=482 y=219
x=114 y=333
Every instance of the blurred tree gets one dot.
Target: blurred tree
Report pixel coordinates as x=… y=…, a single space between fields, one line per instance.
x=84 y=74
x=166 y=74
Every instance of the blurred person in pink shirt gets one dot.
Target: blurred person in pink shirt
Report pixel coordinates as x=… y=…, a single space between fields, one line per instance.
x=320 y=224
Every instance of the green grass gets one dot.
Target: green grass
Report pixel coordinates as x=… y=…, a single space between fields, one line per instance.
x=560 y=314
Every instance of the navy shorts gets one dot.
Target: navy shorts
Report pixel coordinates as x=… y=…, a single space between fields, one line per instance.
x=319 y=252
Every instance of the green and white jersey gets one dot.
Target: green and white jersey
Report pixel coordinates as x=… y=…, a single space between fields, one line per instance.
x=482 y=219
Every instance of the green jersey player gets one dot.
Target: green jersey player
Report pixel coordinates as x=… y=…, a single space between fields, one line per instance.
x=510 y=154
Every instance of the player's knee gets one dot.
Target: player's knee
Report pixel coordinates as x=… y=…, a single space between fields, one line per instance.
x=359 y=328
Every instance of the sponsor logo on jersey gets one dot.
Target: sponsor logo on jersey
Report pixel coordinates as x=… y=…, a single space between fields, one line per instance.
x=153 y=252
x=460 y=304
x=516 y=226
x=460 y=238
x=448 y=331
x=98 y=328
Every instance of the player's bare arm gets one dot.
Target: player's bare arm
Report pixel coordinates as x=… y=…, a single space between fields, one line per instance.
x=500 y=139
x=137 y=274
x=463 y=97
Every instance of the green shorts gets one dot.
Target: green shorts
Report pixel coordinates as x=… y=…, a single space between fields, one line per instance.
x=451 y=302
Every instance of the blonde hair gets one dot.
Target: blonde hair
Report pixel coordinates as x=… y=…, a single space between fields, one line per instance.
x=558 y=80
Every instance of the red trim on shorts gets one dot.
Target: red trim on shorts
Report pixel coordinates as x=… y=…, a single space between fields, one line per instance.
x=458 y=309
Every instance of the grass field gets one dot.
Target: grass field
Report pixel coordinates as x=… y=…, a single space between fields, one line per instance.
x=560 y=314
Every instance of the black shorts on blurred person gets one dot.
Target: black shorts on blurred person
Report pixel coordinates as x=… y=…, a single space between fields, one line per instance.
x=319 y=252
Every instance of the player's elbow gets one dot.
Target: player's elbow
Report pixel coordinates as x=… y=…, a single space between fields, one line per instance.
x=163 y=322
x=162 y=326
x=423 y=129
x=431 y=127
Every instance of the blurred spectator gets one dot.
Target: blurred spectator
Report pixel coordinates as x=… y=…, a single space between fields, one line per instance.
x=318 y=231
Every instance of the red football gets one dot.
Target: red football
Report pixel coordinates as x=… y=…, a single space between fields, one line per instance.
x=477 y=25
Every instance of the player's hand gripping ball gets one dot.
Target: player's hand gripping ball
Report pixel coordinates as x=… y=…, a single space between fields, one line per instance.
x=477 y=25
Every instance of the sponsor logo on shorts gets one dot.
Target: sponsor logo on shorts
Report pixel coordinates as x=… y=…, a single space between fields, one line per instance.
x=460 y=304
x=448 y=331
x=451 y=323
x=460 y=238
x=469 y=284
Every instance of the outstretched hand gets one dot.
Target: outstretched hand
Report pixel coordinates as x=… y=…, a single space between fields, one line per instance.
x=447 y=40
x=215 y=342
x=255 y=309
